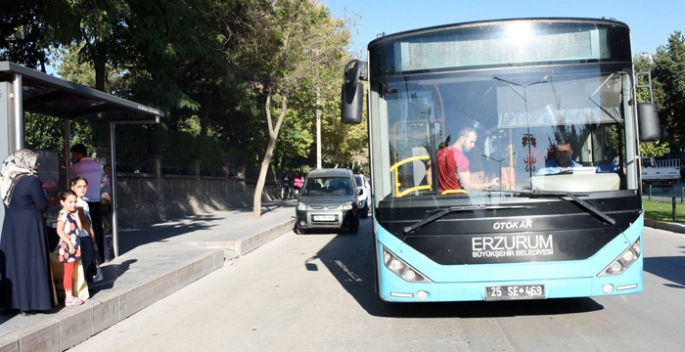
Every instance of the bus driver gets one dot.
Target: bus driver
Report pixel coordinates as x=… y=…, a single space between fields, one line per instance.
x=563 y=160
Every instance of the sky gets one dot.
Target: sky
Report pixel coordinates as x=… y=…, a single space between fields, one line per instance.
x=651 y=22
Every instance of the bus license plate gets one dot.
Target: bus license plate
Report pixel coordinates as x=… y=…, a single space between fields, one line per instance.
x=500 y=293
x=324 y=218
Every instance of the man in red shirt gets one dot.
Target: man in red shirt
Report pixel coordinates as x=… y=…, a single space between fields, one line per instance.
x=453 y=165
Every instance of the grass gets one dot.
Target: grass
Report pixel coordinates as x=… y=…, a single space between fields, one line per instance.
x=663 y=211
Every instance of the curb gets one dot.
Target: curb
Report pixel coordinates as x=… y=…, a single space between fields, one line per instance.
x=69 y=327
x=250 y=242
x=663 y=225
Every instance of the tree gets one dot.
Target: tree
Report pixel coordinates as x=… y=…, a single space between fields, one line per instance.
x=279 y=58
x=669 y=73
x=29 y=28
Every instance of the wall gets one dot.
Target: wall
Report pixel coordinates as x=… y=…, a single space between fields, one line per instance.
x=152 y=197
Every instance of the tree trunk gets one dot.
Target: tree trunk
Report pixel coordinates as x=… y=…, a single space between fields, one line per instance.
x=273 y=136
x=257 y=209
x=100 y=65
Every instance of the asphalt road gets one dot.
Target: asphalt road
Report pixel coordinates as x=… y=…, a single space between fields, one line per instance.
x=314 y=292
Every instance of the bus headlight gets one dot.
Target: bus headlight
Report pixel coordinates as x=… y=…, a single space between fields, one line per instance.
x=402 y=269
x=624 y=261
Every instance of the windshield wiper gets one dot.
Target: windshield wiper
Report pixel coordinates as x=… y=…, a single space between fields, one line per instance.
x=572 y=195
x=443 y=212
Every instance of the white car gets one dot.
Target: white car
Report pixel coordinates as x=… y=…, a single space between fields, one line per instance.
x=365 y=197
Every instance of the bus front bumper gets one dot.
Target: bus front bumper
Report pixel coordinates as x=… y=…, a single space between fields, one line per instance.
x=394 y=289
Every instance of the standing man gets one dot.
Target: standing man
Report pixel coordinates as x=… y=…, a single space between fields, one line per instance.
x=91 y=170
x=453 y=165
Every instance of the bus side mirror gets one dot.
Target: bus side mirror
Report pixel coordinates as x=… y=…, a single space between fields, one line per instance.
x=648 y=122
x=353 y=93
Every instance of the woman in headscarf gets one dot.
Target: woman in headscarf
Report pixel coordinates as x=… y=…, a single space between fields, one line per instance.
x=24 y=255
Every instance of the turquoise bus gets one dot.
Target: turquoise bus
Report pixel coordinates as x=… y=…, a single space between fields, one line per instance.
x=511 y=96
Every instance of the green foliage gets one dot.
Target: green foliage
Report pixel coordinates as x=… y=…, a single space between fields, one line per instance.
x=159 y=139
x=30 y=28
x=210 y=153
x=655 y=149
x=669 y=73
x=44 y=132
x=131 y=144
x=190 y=125
x=181 y=149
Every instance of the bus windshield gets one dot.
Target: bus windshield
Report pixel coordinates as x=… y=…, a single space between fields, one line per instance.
x=542 y=128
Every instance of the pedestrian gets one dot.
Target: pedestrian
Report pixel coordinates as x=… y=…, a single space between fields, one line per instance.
x=68 y=228
x=286 y=186
x=298 y=181
x=91 y=170
x=86 y=236
x=24 y=252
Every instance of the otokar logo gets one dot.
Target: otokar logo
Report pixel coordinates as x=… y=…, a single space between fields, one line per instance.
x=513 y=225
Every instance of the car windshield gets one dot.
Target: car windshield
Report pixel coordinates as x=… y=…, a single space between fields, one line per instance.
x=326 y=186
x=359 y=181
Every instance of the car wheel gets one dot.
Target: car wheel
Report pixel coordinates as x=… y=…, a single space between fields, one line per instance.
x=300 y=231
x=365 y=212
x=354 y=227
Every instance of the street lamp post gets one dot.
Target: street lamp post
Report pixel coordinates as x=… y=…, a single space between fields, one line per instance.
x=318 y=129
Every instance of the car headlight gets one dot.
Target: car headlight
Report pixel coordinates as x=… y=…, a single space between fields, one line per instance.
x=301 y=206
x=348 y=205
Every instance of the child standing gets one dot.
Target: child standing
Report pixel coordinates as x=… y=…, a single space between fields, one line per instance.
x=68 y=228
x=87 y=236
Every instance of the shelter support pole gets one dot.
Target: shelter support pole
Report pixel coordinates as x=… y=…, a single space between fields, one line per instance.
x=113 y=164
x=67 y=153
x=17 y=94
x=318 y=130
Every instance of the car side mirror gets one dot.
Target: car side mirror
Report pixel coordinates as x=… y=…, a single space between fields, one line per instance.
x=360 y=192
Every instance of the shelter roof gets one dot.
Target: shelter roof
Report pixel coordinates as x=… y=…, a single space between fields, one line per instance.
x=49 y=95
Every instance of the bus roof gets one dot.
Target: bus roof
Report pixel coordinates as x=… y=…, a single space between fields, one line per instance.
x=477 y=23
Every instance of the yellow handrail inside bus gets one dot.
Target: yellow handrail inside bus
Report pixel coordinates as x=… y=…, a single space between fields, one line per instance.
x=454 y=191
x=417 y=188
x=394 y=168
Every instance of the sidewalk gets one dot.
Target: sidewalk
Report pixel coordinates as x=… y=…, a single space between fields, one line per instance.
x=154 y=261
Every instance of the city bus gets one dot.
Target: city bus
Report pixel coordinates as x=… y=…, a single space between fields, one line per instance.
x=520 y=88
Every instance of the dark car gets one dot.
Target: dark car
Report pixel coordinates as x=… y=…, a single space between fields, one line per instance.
x=329 y=200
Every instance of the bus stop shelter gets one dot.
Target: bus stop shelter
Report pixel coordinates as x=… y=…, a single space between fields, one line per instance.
x=23 y=89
